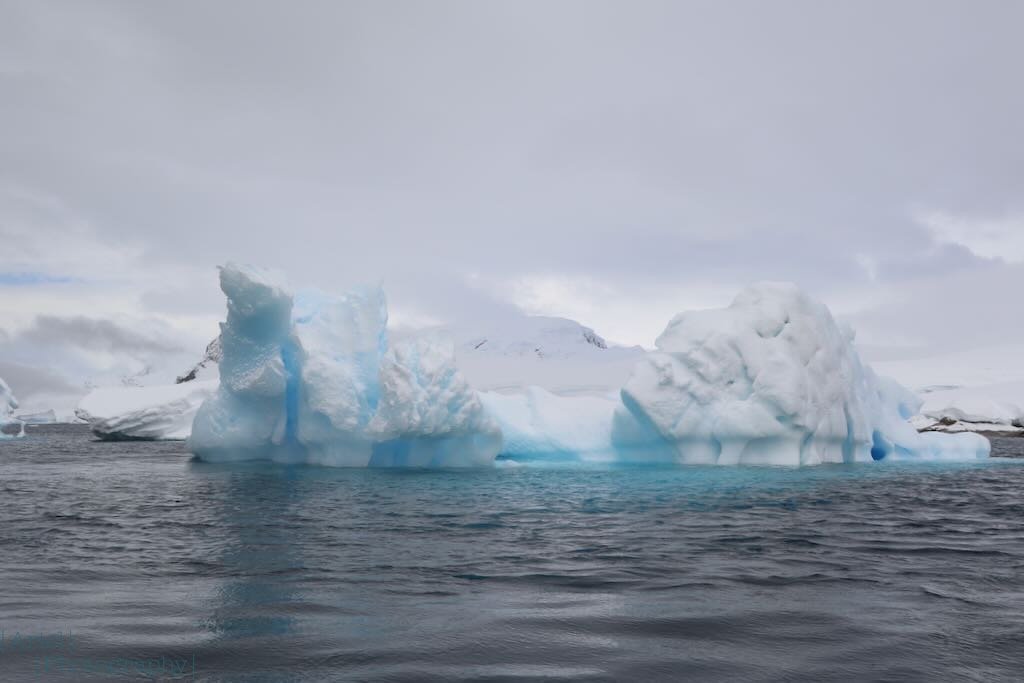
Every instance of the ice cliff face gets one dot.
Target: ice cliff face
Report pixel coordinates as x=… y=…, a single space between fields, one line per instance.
x=771 y=379
x=311 y=378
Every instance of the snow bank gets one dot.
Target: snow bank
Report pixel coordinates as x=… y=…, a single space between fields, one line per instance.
x=144 y=413
x=311 y=378
x=10 y=426
x=771 y=379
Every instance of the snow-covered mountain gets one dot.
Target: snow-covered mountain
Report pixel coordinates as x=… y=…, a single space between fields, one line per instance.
x=205 y=369
x=152 y=411
x=535 y=336
x=558 y=354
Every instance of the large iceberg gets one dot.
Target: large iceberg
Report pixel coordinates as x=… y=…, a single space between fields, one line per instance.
x=311 y=378
x=770 y=379
x=9 y=424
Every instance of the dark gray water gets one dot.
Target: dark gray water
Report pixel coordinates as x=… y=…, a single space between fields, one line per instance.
x=120 y=561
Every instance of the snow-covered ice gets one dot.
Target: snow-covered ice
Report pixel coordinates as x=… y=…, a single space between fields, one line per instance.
x=163 y=412
x=770 y=379
x=984 y=408
x=311 y=378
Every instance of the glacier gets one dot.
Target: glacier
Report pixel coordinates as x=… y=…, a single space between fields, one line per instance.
x=10 y=426
x=310 y=378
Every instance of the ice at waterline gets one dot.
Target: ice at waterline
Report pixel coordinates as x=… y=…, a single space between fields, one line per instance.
x=769 y=380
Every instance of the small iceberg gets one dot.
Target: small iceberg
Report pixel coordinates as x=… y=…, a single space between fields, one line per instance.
x=156 y=413
x=10 y=426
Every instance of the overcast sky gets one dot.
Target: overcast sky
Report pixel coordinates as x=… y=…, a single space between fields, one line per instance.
x=613 y=162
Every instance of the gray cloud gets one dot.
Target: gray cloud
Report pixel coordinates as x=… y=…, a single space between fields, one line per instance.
x=642 y=145
x=28 y=382
x=94 y=335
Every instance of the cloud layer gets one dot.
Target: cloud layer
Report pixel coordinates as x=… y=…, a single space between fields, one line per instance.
x=610 y=161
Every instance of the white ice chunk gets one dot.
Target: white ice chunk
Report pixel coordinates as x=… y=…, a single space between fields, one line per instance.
x=144 y=413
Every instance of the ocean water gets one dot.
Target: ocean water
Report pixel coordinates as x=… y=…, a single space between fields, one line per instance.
x=125 y=561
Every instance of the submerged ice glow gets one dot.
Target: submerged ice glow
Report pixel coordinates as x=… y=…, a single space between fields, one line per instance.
x=771 y=379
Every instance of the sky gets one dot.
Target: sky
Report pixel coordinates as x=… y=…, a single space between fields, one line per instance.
x=611 y=162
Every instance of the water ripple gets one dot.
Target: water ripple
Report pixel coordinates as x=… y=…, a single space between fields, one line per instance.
x=253 y=572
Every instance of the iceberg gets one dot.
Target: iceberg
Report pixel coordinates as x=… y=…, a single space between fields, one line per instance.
x=156 y=413
x=311 y=378
x=10 y=426
x=770 y=379
x=539 y=426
